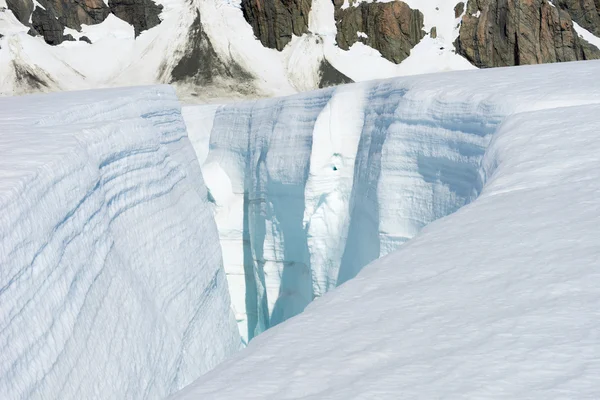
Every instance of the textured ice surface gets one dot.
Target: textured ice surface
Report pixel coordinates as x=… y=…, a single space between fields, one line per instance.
x=311 y=188
x=111 y=278
x=498 y=300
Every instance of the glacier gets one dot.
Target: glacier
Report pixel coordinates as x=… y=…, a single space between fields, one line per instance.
x=497 y=300
x=111 y=277
x=311 y=188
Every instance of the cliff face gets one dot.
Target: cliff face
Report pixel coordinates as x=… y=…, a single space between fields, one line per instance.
x=275 y=21
x=392 y=28
x=585 y=12
x=496 y=33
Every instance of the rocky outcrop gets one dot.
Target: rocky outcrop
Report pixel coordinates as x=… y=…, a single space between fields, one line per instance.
x=496 y=33
x=22 y=9
x=275 y=21
x=330 y=76
x=142 y=14
x=50 y=17
x=392 y=28
x=44 y=22
x=585 y=12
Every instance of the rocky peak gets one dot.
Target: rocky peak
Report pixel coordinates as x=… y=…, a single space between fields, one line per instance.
x=391 y=28
x=497 y=33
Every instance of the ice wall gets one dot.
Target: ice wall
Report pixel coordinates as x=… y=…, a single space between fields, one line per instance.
x=311 y=188
x=111 y=278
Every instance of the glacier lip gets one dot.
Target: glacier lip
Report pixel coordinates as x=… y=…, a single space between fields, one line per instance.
x=498 y=300
x=111 y=278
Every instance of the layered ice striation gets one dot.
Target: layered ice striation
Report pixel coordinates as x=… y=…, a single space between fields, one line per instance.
x=311 y=188
x=111 y=277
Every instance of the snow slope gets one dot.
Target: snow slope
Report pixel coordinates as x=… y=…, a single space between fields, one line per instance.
x=111 y=278
x=498 y=300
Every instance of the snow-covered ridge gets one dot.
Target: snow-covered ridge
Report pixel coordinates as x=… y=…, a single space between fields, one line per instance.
x=311 y=188
x=499 y=300
x=111 y=279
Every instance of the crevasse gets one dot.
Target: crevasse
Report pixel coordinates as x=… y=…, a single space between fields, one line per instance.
x=311 y=188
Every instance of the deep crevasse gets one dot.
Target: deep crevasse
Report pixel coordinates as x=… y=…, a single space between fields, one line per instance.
x=111 y=279
x=311 y=188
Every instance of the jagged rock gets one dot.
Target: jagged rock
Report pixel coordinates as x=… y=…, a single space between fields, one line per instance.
x=201 y=64
x=433 y=32
x=459 y=9
x=142 y=14
x=22 y=9
x=392 y=28
x=585 y=12
x=73 y=13
x=85 y=39
x=46 y=24
x=498 y=33
x=275 y=21
x=330 y=76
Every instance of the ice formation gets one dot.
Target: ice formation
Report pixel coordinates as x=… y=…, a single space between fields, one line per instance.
x=111 y=277
x=311 y=188
x=499 y=300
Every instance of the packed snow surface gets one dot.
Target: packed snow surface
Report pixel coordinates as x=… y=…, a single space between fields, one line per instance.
x=111 y=277
x=501 y=299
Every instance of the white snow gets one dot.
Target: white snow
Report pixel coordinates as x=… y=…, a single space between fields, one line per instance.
x=498 y=300
x=586 y=35
x=111 y=277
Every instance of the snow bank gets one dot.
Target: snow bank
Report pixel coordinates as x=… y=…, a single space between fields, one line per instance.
x=111 y=279
x=498 y=300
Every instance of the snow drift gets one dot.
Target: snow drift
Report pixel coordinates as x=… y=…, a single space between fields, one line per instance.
x=498 y=300
x=111 y=279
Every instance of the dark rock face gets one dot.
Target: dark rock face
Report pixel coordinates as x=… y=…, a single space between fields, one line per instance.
x=275 y=21
x=329 y=76
x=22 y=9
x=85 y=39
x=45 y=23
x=497 y=33
x=142 y=14
x=585 y=12
x=392 y=28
